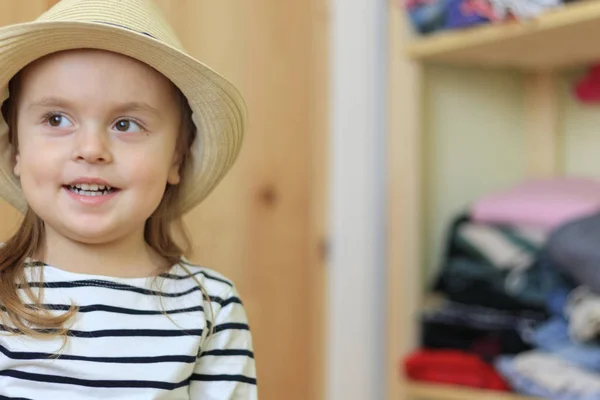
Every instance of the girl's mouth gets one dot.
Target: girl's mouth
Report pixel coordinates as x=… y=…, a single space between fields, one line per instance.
x=90 y=189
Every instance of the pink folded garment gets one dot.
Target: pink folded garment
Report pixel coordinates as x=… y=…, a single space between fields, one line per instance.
x=541 y=203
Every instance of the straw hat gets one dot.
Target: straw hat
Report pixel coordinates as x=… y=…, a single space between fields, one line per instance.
x=135 y=28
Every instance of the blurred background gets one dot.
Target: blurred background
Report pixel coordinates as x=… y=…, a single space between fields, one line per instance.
x=417 y=196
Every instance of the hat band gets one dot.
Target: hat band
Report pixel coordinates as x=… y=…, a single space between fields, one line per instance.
x=125 y=27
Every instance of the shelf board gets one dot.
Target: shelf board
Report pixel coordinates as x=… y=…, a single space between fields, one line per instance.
x=561 y=37
x=426 y=391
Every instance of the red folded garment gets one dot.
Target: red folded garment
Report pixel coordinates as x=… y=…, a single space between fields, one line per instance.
x=587 y=89
x=452 y=367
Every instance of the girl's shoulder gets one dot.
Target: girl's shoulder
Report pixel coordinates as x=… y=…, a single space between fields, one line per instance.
x=215 y=283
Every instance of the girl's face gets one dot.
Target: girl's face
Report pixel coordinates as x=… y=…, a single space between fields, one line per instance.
x=97 y=133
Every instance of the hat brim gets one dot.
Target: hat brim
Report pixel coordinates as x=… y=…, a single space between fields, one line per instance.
x=219 y=111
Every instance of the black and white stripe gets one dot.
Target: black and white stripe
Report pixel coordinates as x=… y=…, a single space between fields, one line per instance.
x=133 y=338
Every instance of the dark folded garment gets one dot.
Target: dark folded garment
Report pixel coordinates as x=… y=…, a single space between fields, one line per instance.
x=468 y=281
x=495 y=266
x=574 y=248
x=482 y=331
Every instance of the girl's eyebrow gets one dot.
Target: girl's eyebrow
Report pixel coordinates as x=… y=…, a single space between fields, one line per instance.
x=49 y=102
x=63 y=103
x=137 y=106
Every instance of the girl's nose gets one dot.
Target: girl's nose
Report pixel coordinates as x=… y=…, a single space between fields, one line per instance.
x=91 y=146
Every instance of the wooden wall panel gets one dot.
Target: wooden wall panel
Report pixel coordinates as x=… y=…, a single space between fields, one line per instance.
x=12 y=11
x=405 y=200
x=264 y=225
x=319 y=184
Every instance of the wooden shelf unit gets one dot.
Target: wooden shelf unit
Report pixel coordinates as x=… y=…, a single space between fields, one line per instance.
x=555 y=39
x=541 y=47
x=424 y=391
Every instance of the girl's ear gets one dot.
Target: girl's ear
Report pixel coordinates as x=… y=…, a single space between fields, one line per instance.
x=17 y=168
x=173 y=178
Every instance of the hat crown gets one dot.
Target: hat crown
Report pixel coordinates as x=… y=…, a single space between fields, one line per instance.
x=141 y=16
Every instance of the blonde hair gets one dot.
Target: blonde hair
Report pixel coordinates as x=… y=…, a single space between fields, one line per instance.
x=29 y=316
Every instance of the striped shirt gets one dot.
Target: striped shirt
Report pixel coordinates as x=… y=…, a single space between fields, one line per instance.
x=121 y=345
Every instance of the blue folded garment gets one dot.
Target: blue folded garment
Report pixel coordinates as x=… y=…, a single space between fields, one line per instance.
x=553 y=382
x=553 y=337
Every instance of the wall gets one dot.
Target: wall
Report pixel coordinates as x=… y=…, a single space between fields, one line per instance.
x=356 y=267
x=471 y=149
x=581 y=129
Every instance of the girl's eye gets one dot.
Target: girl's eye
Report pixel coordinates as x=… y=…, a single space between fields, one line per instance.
x=57 y=120
x=127 y=125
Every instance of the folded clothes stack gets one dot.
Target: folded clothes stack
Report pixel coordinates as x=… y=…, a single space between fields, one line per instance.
x=428 y=16
x=519 y=285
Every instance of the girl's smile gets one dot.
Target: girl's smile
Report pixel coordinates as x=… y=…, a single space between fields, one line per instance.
x=91 y=191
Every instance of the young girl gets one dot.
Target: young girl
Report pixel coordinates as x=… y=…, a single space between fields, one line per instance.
x=110 y=132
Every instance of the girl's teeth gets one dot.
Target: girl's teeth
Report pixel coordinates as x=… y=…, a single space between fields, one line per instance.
x=91 y=187
x=99 y=192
